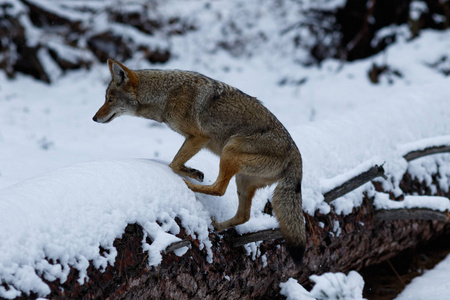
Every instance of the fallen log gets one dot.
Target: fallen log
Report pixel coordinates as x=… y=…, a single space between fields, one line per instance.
x=334 y=243
x=352 y=184
x=242 y=269
x=271 y=234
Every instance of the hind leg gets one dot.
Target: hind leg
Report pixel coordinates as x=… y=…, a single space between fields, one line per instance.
x=235 y=159
x=252 y=171
x=246 y=188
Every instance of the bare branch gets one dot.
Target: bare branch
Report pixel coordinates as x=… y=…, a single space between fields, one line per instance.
x=263 y=235
x=427 y=151
x=412 y=214
x=177 y=245
x=354 y=183
x=382 y=215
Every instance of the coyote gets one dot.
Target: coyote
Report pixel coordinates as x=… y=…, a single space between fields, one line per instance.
x=252 y=144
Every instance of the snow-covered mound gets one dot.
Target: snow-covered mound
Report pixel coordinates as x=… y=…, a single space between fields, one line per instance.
x=65 y=216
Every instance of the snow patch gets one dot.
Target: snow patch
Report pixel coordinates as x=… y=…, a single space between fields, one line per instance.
x=330 y=286
x=382 y=201
x=338 y=286
x=292 y=290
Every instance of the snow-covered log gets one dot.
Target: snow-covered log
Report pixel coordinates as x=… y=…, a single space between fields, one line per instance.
x=77 y=242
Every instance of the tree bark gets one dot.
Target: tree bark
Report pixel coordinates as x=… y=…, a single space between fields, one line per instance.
x=365 y=238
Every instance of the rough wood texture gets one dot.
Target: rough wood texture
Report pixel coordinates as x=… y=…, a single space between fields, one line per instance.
x=363 y=240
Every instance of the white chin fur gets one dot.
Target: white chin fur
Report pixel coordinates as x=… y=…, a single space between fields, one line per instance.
x=110 y=118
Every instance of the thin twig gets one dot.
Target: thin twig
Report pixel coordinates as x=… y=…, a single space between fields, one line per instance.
x=316 y=241
x=395 y=271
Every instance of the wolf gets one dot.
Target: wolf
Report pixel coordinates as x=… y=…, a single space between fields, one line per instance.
x=251 y=142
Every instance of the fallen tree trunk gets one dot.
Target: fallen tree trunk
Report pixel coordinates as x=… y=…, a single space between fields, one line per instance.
x=359 y=239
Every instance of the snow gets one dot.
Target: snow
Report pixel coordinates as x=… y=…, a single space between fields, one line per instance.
x=331 y=183
x=336 y=228
x=49 y=64
x=69 y=185
x=68 y=53
x=338 y=286
x=425 y=143
x=417 y=8
x=55 y=217
x=433 y=284
x=292 y=290
x=382 y=201
x=422 y=169
x=50 y=6
x=330 y=286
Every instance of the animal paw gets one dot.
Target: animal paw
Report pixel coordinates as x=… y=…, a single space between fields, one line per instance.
x=194 y=174
x=216 y=225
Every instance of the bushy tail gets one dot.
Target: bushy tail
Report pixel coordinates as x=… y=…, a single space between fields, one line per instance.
x=287 y=205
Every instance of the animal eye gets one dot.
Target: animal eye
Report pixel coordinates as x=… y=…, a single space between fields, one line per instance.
x=110 y=99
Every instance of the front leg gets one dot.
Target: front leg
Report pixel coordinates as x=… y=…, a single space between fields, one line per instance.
x=191 y=146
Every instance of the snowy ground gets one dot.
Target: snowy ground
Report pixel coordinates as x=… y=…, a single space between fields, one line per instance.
x=60 y=170
x=433 y=284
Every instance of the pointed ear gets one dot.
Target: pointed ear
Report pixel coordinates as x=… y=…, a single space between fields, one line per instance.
x=110 y=65
x=121 y=75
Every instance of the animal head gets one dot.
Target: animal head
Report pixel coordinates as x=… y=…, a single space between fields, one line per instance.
x=121 y=94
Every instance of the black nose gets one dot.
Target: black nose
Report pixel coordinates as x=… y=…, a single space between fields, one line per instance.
x=94 y=118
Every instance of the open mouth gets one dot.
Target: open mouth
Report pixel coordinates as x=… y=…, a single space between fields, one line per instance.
x=110 y=119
